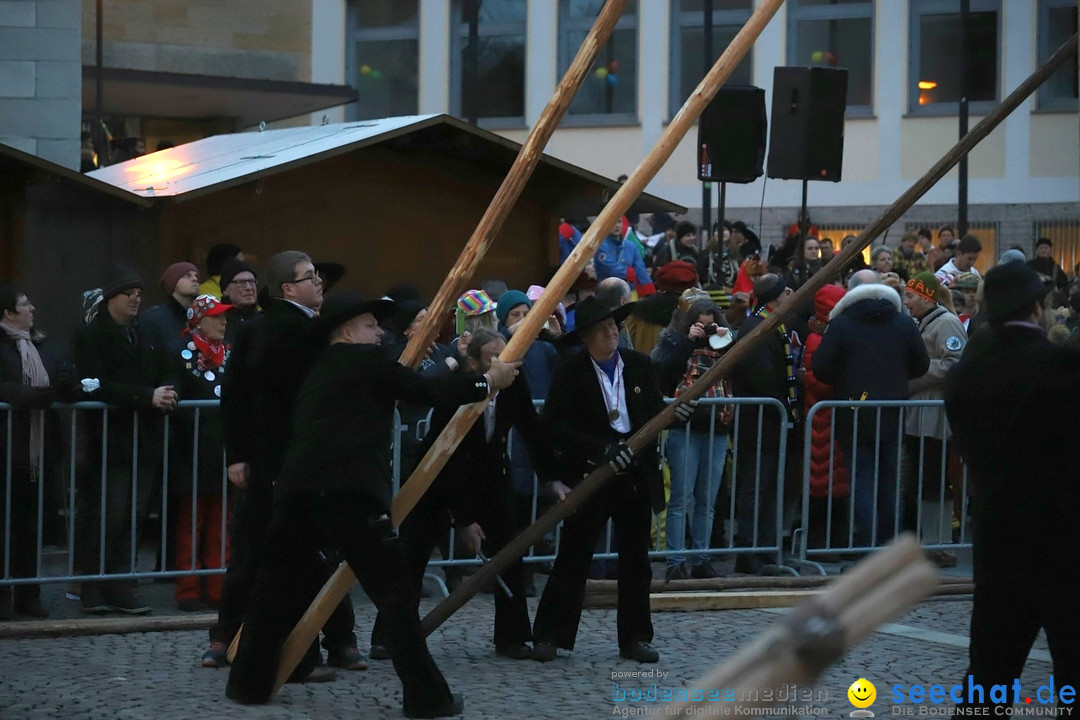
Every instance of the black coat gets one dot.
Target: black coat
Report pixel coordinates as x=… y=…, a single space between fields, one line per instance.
x=269 y=362
x=128 y=373
x=576 y=419
x=164 y=323
x=480 y=469
x=1013 y=402
x=192 y=384
x=344 y=419
x=62 y=387
x=761 y=373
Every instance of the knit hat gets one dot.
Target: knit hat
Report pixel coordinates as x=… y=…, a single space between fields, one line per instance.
x=205 y=306
x=508 y=301
x=925 y=285
x=825 y=300
x=118 y=279
x=1044 y=241
x=1009 y=288
x=173 y=274
x=966 y=281
x=566 y=230
x=231 y=268
x=675 y=276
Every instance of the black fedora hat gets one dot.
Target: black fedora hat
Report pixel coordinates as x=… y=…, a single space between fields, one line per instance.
x=343 y=306
x=330 y=272
x=591 y=311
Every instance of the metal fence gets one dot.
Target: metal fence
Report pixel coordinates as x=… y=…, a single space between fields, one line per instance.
x=84 y=464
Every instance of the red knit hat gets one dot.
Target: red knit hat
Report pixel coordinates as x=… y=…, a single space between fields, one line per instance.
x=173 y=273
x=825 y=300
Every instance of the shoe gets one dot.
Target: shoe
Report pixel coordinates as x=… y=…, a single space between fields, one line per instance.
x=543 y=651
x=215 y=657
x=641 y=651
x=703 y=571
x=379 y=652
x=346 y=658
x=126 y=601
x=318 y=674
x=454 y=706
x=941 y=558
x=188 y=605
x=515 y=651
x=74 y=591
x=31 y=607
x=92 y=600
x=677 y=572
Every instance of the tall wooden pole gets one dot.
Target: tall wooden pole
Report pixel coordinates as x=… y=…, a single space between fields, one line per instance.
x=508 y=193
x=648 y=433
x=526 y=333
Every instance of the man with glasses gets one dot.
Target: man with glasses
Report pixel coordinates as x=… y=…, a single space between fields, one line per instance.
x=239 y=288
x=116 y=359
x=270 y=360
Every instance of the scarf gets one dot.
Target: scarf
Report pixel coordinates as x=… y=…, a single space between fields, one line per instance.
x=35 y=375
x=790 y=379
x=211 y=355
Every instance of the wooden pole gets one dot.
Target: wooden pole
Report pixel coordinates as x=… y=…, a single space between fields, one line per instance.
x=648 y=433
x=505 y=197
x=526 y=333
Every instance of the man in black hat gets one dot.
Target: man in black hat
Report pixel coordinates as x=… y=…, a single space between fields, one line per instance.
x=1013 y=402
x=1044 y=264
x=240 y=288
x=270 y=359
x=334 y=491
x=598 y=398
x=117 y=361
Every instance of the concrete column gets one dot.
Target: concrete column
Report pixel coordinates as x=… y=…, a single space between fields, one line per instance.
x=541 y=57
x=328 y=31
x=434 y=56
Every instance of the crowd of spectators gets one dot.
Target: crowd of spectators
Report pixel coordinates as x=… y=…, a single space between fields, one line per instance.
x=890 y=330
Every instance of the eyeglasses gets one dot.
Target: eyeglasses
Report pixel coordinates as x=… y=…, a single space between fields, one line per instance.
x=133 y=294
x=313 y=277
x=247 y=283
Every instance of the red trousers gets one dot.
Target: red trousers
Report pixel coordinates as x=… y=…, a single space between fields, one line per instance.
x=205 y=552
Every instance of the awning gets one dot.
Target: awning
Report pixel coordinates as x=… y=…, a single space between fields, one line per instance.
x=143 y=93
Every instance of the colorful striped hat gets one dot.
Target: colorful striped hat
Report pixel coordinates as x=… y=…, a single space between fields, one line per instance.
x=475 y=302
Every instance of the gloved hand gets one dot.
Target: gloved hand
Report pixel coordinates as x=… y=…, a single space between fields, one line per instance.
x=619 y=456
x=684 y=409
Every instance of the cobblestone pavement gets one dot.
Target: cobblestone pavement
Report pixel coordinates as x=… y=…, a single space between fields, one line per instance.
x=157 y=675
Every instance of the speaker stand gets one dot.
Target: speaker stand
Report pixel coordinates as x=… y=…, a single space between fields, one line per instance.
x=804 y=228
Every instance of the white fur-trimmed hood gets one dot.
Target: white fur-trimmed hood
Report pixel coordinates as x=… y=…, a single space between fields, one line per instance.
x=873 y=291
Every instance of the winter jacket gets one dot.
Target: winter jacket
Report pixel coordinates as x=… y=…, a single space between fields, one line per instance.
x=945 y=338
x=824 y=453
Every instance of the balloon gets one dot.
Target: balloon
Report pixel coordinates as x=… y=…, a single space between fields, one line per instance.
x=612 y=79
x=818 y=56
x=613 y=66
x=365 y=69
x=601 y=73
x=376 y=75
x=830 y=58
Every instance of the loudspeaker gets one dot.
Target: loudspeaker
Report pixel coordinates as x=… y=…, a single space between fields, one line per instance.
x=807 y=138
x=731 y=136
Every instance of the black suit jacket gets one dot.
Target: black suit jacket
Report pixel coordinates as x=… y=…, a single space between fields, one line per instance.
x=344 y=418
x=269 y=363
x=576 y=419
x=479 y=469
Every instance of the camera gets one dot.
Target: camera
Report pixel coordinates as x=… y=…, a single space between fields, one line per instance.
x=711 y=329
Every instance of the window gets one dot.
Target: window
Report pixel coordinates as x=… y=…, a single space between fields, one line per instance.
x=1057 y=23
x=688 y=45
x=609 y=93
x=493 y=88
x=935 y=56
x=836 y=33
x=383 y=55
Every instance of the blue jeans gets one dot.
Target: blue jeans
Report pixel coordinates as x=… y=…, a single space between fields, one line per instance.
x=697 y=464
x=872 y=462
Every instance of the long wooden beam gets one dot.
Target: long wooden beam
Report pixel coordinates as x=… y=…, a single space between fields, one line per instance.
x=490 y=223
x=648 y=433
x=680 y=125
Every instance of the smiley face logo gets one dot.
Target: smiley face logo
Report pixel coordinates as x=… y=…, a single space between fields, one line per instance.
x=862 y=693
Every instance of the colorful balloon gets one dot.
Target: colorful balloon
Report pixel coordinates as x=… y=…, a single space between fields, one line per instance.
x=612 y=79
x=365 y=69
x=613 y=66
x=601 y=73
x=376 y=75
x=818 y=56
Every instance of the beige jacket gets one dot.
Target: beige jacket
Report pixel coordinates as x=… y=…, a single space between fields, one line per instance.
x=945 y=339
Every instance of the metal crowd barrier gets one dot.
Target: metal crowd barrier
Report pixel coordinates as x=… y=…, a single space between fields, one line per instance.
x=945 y=529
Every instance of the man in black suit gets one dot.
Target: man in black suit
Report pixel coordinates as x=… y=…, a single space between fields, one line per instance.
x=1013 y=402
x=473 y=493
x=598 y=398
x=335 y=490
x=269 y=362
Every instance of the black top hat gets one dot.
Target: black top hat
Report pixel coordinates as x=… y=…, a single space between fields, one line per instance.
x=591 y=311
x=344 y=306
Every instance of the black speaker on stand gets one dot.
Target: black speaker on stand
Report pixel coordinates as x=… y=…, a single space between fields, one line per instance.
x=731 y=140
x=807 y=137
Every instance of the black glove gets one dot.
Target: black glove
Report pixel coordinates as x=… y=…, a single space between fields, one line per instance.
x=619 y=456
x=683 y=410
